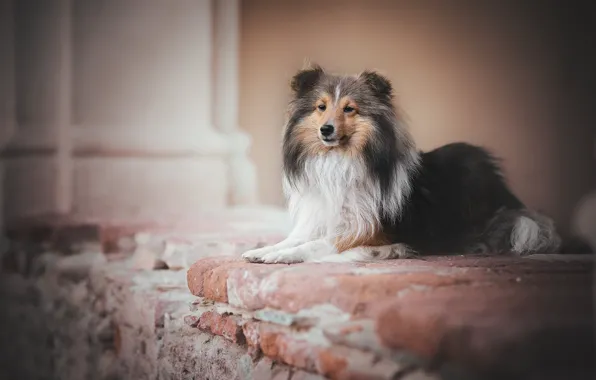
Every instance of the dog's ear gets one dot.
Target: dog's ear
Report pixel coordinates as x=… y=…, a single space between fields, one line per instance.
x=378 y=83
x=306 y=79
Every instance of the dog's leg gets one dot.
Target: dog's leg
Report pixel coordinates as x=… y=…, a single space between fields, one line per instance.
x=308 y=251
x=256 y=255
x=368 y=254
x=301 y=234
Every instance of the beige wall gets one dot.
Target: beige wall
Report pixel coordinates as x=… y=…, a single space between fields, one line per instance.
x=115 y=113
x=139 y=62
x=136 y=83
x=485 y=76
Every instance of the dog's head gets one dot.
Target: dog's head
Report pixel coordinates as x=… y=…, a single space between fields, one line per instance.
x=337 y=112
x=353 y=115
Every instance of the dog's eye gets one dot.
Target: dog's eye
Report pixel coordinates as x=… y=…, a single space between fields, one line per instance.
x=322 y=107
x=348 y=109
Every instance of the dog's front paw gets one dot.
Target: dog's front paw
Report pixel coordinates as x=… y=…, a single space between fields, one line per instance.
x=256 y=255
x=284 y=256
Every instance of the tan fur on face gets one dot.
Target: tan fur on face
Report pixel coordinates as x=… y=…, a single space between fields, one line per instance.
x=352 y=129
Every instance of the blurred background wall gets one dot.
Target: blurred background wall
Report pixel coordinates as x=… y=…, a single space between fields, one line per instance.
x=508 y=76
x=135 y=101
x=122 y=109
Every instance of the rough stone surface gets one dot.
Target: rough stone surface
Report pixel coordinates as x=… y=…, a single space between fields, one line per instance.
x=164 y=238
x=227 y=326
x=489 y=317
x=116 y=323
x=87 y=315
x=71 y=311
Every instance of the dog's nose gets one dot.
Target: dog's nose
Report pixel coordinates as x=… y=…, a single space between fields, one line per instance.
x=327 y=130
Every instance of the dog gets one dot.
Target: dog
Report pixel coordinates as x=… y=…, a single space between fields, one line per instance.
x=358 y=189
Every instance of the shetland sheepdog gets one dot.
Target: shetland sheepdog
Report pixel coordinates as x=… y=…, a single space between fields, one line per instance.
x=359 y=190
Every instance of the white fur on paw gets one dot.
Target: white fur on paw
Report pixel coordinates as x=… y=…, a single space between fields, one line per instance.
x=284 y=256
x=256 y=255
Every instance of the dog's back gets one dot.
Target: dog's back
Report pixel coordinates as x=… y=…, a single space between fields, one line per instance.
x=461 y=204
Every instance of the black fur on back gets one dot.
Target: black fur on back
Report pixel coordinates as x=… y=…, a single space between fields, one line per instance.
x=456 y=192
x=453 y=199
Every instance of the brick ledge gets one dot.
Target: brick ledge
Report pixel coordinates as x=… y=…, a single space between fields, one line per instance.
x=481 y=315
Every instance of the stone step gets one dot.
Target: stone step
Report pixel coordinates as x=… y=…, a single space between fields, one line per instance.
x=116 y=293
x=69 y=232
x=487 y=317
x=86 y=317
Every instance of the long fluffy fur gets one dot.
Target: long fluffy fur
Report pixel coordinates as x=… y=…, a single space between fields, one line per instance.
x=369 y=194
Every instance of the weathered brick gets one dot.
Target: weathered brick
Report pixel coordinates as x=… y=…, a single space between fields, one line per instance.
x=310 y=351
x=191 y=320
x=473 y=311
x=493 y=326
x=358 y=289
x=292 y=288
x=227 y=326
x=266 y=369
x=199 y=276
x=165 y=307
x=66 y=232
x=250 y=329
x=244 y=285
x=215 y=286
x=59 y=232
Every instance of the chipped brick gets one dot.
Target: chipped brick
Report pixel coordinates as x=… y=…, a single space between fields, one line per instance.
x=465 y=310
x=485 y=327
x=227 y=326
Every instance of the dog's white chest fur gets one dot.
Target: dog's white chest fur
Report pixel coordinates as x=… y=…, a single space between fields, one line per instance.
x=335 y=198
x=334 y=195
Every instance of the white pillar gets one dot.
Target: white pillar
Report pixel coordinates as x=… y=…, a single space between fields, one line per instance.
x=64 y=160
x=153 y=133
x=242 y=173
x=35 y=154
x=144 y=142
x=7 y=89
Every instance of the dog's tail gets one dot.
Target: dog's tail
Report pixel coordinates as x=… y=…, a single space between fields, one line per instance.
x=522 y=232
x=534 y=233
